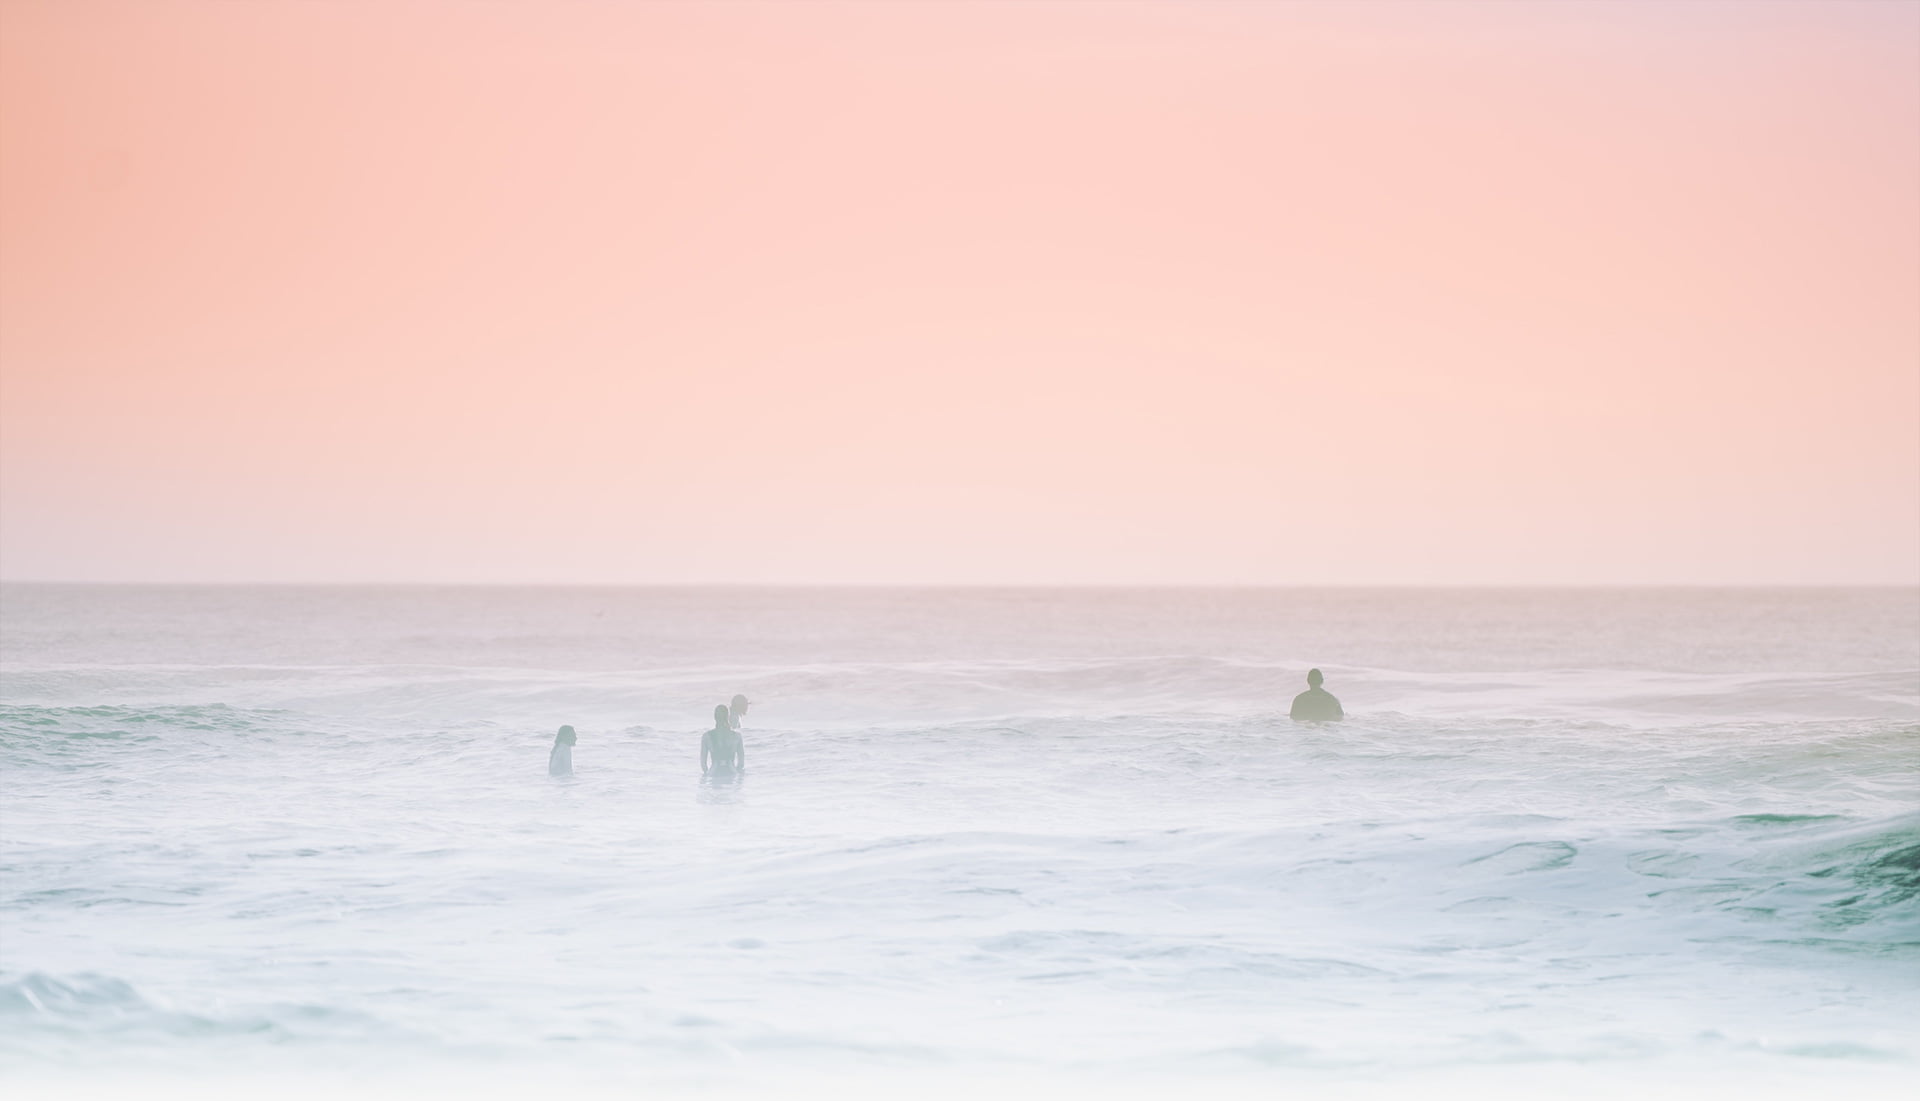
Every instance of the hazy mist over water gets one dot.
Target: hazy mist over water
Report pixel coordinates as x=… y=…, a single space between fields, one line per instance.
x=489 y=296
x=1056 y=836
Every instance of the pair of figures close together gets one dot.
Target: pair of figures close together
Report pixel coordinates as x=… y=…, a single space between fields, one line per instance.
x=721 y=751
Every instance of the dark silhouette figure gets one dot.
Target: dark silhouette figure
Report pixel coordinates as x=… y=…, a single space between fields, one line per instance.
x=736 y=710
x=1316 y=704
x=721 y=751
x=560 y=759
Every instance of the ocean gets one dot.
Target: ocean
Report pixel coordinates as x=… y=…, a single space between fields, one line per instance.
x=1020 y=839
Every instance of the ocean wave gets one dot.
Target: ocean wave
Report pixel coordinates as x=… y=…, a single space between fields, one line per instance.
x=959 y=848
x=36 y=1007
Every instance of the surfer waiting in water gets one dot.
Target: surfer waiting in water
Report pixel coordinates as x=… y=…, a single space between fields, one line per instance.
x=721 y=751
x=736 y=709
x=560 y=760
x=1316 y=703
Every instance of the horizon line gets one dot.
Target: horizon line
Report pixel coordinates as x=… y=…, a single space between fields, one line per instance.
x=964 y=585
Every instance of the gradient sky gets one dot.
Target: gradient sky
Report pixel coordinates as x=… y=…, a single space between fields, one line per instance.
x=1285 y=293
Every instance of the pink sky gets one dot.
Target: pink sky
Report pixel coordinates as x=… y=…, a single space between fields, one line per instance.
x=1187 y=293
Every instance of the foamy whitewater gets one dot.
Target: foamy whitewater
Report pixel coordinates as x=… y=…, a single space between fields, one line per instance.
x=1039 y=838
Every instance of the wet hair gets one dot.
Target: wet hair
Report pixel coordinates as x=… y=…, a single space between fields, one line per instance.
x=1314 y=678
x=720 y=714
x=565 y=737
x=738 y=702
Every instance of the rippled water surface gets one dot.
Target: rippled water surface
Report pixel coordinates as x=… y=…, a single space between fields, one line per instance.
x=1061 y=836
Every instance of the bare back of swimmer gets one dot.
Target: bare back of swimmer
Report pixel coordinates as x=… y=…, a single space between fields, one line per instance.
x=721 y=751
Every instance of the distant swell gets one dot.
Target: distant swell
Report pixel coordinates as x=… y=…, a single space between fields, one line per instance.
x=89 y=1004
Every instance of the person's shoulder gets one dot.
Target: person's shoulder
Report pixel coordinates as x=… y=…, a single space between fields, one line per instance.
x=1316 y=704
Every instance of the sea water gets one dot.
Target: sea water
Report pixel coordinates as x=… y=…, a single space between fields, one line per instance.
x=1036 y=838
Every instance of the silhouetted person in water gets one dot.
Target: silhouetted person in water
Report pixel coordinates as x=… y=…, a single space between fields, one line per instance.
x=721 y=752
x=560 y=760
x=1316 y=703
x=735 y=710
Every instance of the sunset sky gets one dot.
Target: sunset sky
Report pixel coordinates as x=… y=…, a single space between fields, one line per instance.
x=1284 y=293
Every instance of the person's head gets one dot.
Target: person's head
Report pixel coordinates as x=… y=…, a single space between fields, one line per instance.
x=720 y=717
x=1314 y=678
x=738 y=707
x=565 y=737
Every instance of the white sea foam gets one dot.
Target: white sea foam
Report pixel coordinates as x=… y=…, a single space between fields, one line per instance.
x=1034 y=837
